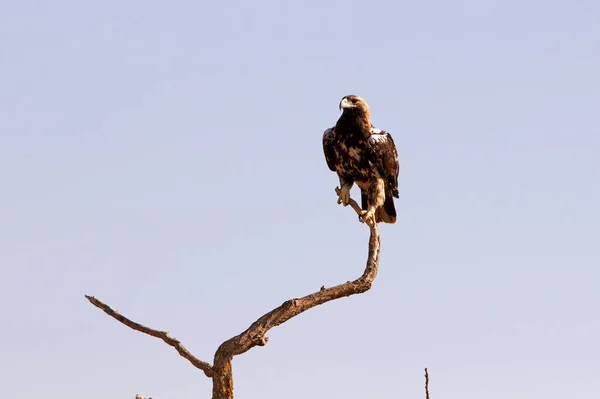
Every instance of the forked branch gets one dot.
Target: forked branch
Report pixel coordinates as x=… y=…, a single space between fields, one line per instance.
x=255 y=335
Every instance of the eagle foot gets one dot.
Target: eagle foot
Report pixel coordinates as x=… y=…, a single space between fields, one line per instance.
x=343 y=195
x=367 y=217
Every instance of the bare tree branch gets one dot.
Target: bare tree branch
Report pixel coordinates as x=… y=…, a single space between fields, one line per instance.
x=255 y=335
x=207 y=368
x=426 y=384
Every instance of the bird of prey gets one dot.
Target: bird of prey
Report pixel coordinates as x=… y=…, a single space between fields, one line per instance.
x=362 y=154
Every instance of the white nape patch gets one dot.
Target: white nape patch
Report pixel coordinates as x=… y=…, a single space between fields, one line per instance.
x=374 y=130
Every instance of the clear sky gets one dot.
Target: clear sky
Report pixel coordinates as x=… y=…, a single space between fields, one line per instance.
x=166 y=158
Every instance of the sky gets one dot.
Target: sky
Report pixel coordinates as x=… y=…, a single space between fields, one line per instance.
x=167 y=159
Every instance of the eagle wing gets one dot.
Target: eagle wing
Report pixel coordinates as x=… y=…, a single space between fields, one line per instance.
x=384 y=156
x=328 y=149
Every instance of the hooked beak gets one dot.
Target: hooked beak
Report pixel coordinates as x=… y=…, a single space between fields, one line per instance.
x=344 y=103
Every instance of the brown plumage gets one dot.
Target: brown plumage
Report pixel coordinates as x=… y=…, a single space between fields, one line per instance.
x=362 y=154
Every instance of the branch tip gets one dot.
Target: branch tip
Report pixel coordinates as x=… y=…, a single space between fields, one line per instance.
x=175 y=343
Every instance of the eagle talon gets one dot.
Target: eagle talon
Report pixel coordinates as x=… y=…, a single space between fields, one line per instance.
x=367 y=217
x=344 y=196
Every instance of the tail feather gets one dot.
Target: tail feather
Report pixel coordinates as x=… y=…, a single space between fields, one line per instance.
x=387 y=213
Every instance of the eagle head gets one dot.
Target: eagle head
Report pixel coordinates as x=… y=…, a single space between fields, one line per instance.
x=353 y=102
x=355 y=105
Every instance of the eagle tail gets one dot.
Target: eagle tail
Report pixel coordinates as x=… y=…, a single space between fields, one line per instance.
x=387 y=213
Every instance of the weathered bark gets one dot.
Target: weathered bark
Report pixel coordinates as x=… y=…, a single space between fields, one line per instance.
x=207 y=368
x=255 y=335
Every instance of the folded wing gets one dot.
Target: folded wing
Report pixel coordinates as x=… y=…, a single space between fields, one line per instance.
x=383 y=153
x=330 y=154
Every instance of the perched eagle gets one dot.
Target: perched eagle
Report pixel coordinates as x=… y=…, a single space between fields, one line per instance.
x=358 y=152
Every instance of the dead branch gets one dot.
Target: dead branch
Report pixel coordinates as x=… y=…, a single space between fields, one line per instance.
x=255 y=335
x=426 y=384
x=155 y=333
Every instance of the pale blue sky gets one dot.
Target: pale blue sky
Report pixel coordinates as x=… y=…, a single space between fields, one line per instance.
x=167 y=159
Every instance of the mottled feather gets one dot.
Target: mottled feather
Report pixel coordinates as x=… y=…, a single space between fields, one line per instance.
x=328 y=148
x=384 y=154
x=362 y=154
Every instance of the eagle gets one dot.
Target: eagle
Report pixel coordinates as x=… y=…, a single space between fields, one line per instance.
x=360 y=153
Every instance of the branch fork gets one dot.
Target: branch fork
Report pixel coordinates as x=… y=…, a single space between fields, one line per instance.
x=220 y=371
